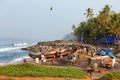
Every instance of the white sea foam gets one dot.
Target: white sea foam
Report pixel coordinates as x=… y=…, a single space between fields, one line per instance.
x=10 y=48
x=19 y=44
x=17 y=60
x=7 y=49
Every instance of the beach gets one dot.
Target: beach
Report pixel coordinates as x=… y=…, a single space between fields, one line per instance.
x=81 y=62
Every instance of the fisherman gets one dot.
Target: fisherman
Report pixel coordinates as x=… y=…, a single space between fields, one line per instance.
x=93 y=52
x=61 y=57
x=78 y=55
x=53 y=60
x=37 y=60
x=42 y=58
x=73 y=59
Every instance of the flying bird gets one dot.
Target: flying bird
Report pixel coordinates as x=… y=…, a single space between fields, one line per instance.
x=51 y=8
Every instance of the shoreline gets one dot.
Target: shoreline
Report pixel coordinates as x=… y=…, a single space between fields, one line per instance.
x=80 y=63
x=16 y=62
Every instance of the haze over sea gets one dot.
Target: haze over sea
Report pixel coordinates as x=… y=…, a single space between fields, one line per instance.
x=10 y=50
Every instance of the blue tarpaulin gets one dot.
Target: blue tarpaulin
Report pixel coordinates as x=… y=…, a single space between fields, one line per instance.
x=107 y=39
x=106 y=52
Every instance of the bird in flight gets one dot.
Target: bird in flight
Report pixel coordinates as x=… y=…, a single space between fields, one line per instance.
x=51 y=8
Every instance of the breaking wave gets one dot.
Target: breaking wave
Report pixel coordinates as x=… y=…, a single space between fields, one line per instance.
x=16 y=60
x=10 y=48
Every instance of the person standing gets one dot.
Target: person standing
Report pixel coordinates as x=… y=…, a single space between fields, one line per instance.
x=53 y=60
x=37 y=60
x=42 y=58
x=78 y=55
x=61 y=57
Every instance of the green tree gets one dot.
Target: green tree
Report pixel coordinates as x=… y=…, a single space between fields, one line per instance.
x=105 y=23
x=115 y=24
x=89 y=13
x=73 y=27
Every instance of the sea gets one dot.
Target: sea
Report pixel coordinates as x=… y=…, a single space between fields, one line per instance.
x=11 y=52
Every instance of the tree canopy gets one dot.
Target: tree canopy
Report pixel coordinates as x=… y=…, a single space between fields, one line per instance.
x=106 y=23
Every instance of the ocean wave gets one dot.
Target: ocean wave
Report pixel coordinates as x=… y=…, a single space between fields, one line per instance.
x=19 y=44
x=10 y=48
x=16 y=60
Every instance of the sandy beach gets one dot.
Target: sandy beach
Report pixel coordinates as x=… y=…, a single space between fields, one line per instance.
x=82 y=63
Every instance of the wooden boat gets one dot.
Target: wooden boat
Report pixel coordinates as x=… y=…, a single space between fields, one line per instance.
x=33 y=56
x=48 y=56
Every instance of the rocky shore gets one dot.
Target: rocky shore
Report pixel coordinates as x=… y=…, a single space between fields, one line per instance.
x=50 y=46
x=57 y=44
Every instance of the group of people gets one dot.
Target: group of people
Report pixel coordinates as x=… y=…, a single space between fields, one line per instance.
x=72 y=57
x=55 y=56
x=88 y=50
x=43 y=58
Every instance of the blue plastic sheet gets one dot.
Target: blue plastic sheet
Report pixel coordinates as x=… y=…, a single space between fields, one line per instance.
x=106 y=52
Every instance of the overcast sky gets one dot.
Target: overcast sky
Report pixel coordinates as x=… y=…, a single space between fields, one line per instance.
x=33 y=19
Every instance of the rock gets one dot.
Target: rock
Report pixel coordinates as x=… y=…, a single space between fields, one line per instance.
x=51 y=45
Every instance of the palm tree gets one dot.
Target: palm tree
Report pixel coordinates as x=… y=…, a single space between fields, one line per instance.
x=103 y=20
x=107 y=22
x=104 y=16
x=73 y=27
x=115 y=24
x=89 y=13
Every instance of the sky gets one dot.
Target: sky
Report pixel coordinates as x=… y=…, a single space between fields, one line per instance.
x=33 y=19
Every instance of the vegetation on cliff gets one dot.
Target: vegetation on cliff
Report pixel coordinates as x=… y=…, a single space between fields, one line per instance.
x=32 y=70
